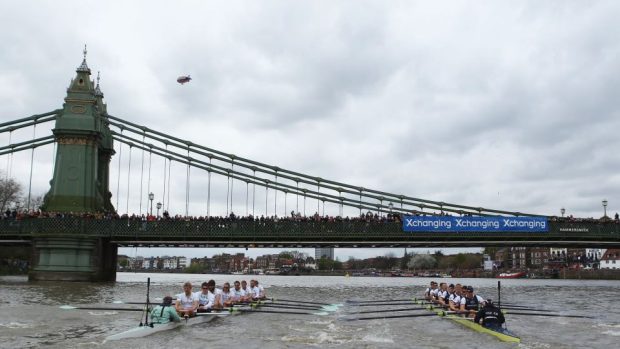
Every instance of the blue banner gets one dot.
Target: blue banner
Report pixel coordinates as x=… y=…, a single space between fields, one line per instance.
x=446 y=224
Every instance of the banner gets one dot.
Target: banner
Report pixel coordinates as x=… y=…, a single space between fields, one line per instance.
x=447 y=224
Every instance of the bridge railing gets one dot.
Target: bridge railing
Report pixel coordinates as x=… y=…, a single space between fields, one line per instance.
x=283 y=230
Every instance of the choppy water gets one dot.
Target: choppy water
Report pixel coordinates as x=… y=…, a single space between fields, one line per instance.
x=31 y=318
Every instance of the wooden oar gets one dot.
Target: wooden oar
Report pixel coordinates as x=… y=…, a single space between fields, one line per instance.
x=387 y=317
x=553 y=315
x=382 y=304
x=70 y=307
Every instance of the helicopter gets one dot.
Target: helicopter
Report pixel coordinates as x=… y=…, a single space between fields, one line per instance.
x=183 y=79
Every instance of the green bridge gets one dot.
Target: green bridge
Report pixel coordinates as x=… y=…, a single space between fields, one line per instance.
x=287 y=233
x=85 y=249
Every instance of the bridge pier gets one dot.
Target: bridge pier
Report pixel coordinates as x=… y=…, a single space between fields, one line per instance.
x=73 y=259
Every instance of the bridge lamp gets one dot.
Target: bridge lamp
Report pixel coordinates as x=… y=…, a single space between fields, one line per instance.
x=562 y=211
x=158 y=208
x=604 y=207
x=151 y=197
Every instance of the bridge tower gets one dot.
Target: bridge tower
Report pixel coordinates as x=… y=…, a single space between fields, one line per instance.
x=80 y=184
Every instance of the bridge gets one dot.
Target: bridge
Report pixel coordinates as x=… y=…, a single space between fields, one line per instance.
x=76 y=234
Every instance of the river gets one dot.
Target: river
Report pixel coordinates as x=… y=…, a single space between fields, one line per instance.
x=31 y=317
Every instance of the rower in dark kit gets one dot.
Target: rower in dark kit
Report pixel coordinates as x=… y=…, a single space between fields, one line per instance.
x=490 y=315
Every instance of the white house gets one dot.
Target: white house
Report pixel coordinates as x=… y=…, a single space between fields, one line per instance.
x=611 y=259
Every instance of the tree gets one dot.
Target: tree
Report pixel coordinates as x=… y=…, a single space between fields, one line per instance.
x=422 y=261
x=10 y=193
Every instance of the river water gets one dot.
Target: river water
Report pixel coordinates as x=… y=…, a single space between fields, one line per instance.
x=31 y=317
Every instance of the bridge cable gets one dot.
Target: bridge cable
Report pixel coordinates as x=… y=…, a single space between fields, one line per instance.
x=142 y=175
x=209 y=192
x=118 y=182
x=163 y=200
x=232 y=185
x=285 y=213
x=187 y=185
x=275 y=200
x=227 y=191
x=297 y=195
x=128 y=184
x=34 y=134
x=148 y=185
x=266 y=197
x=169 y=188
x=247 y=196
x=8 y=158
x=318 y=190
x=253 y=195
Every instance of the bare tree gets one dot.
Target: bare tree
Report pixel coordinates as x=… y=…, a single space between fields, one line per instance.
x=10 y=193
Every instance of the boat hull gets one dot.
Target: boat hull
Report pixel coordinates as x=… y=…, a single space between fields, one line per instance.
x=512 y=275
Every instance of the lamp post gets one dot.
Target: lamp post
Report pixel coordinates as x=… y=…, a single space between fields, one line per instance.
x=158 y=208
x=604 y=208
x=562 y=210
x=151 y=197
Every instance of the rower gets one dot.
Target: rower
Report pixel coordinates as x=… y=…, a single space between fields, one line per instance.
x=258 y=292
x=247 y=289
x=490 y=315
x=164 y=312
x=227 y=296
x=187 y=302
x=470 y=302
x=442 y=295
x=455 y=298
x=239 y=294
x=216 y=294
x=430 y=292
x=205 y=298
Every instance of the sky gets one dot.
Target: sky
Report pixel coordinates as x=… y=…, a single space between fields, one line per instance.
x=506 y=105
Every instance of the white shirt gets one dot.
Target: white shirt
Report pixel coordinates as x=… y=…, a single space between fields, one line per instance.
x=237 y=294
x=456 y=299
x=187 y=302
x=256 y=292
x=205 y=299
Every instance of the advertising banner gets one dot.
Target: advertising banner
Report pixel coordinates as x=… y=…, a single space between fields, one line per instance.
x=449 y=224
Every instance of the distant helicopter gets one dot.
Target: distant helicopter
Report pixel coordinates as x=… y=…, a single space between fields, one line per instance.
x=183 y=79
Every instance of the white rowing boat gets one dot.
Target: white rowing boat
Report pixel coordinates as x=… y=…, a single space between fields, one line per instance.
x=143 y=331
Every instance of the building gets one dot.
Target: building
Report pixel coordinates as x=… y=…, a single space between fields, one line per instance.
x=611 y=259
x=324 y=252
x=539 y=256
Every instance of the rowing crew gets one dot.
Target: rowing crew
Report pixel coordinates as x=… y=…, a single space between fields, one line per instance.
x=463 y=300
x=207 y=299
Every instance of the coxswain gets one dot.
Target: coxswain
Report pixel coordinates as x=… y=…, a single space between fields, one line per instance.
x=490 y=315
x=205 y=298
x=187 y=302
x=164 y=312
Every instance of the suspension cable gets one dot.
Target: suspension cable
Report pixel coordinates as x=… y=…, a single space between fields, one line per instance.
x=118 y=182
x=232 y=184
x=209 y=191
x=8 y=158
x=187 y=185
x=285 y=213
x=297 y=195
x=128 y=180
x=275 y=200
x=247 y=196
x=169 y=189
x=227 y=191
x=163 y=199
x=266 y=196
x=142 y=174
x=34 y=134
x=253 y=195
x=148 y=186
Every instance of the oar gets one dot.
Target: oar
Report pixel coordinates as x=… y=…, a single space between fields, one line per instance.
x=387 y=317
x=354 y=301
x=295 y=301
x=234 y=310
x=70 y=307
x=524 y=308
x=382 y=304
x=288 y=307
x=553 y=315
x=384 y=311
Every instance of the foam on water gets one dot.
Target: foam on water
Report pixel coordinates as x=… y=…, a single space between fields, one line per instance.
x=102 y=313
x=16 y=325
x=373 y=338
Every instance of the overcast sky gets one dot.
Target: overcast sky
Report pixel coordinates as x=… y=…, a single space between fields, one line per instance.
x=506 y=105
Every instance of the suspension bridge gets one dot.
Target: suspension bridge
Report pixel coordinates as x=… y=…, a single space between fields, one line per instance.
x=78 y=229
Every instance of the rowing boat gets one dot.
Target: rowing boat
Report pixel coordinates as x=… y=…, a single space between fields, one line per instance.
x=143 y=331
x=147 y=330
x=500 y=333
